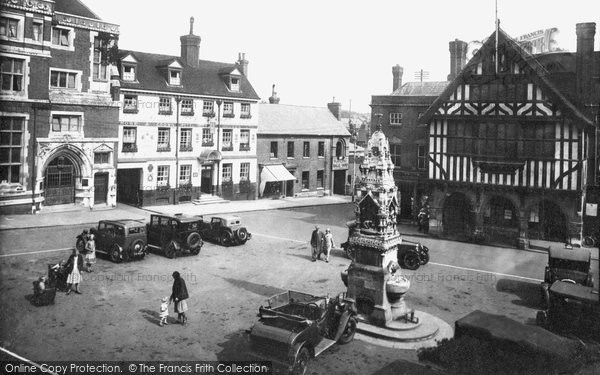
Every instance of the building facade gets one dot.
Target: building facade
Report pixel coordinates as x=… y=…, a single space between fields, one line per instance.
x=512 y=144
x=302 y=151
x=399 y=113
x=58 y=118
x=187 y=127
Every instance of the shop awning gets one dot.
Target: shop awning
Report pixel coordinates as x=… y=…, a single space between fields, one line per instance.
x=274 y=173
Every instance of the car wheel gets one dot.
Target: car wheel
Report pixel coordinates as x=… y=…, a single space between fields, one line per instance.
x=196 y=250
x=169 y=250
x=301 y=362
x=424 y=258
x=225 y=239
x=411 y=260
x=241 y=235
x=349 y=332
x=194 y=240
x=115 y=253
x=80 y=245
x=137 y=247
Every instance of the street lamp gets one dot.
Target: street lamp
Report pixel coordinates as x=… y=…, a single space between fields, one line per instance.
x=219 y=102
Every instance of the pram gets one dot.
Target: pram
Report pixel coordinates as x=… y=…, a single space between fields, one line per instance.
x=57 y=276
x=43 y=293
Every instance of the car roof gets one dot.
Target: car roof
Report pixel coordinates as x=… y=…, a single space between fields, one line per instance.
x=126 y=222
x=181 y=217
x=575 y=254
x=227 y=217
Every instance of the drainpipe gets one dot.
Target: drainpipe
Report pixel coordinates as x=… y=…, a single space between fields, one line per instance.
x=331 y=149
x=33 y=156
x=177 y=100
x=219 y=102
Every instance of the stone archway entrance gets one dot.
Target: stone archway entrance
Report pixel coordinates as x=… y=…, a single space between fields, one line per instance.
x=458 y=218
x=501 y=220
x=547 y=222
x=59 y=182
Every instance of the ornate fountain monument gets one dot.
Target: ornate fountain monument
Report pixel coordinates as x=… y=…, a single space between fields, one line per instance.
x=374 y=281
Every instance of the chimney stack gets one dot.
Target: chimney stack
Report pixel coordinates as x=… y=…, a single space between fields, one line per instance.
x=458 y=58
x=583 y=62
x=274 y=99
x=336 y=109
x=397 y=72
x=190 y=47
x=243 y=63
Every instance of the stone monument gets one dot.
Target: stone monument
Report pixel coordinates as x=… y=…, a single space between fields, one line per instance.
x=373 y=279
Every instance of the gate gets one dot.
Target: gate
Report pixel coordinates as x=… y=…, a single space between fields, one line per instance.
x=59 y=184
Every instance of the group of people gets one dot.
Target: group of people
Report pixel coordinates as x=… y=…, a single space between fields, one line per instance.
x=321 y=243
x=179 y=295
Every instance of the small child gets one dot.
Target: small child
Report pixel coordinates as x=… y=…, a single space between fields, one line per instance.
x=164 y=311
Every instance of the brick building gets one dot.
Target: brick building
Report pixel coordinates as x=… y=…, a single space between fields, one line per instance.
x=58 y=119
x=186 y=127
x=512 y=147
x=399 y=114
x=302 y=151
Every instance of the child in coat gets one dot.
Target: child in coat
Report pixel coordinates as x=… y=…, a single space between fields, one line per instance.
x=164 y=311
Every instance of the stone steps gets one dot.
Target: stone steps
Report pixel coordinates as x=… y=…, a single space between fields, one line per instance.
x=208 y=199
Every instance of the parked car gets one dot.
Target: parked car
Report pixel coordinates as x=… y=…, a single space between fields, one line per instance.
x=121 y=240
x=173 y=235
x=412 y=255
x=572 y=308
x=296 y=327
x=569 y=264
x=226 y=230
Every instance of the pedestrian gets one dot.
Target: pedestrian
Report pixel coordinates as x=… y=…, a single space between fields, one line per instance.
x=73 y=267
x=179 y=296
x=164 y=311
x=315 y=243
x=90 y=255
x=328 y=244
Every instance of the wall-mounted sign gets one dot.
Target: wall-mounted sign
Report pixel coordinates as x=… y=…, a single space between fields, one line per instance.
x=86 y=23
x=591 y=209
x=340 y=164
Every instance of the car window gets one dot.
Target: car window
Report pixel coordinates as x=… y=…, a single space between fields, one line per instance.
x=164 y=221
x=101 y=226
x=155 y=220
x=136 y=230
x=119 y=231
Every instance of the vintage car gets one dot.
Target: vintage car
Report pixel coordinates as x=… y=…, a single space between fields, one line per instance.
x=173 y=235
x=226 y=230
x=412 y=255
x=121 y=240
x=296 y=327
x=572 y=308
x=567 y=264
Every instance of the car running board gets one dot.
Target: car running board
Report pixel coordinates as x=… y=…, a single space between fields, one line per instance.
x=323 y=345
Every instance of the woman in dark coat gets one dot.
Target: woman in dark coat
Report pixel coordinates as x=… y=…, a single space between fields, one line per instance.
x=73 y=267
x=179 y=296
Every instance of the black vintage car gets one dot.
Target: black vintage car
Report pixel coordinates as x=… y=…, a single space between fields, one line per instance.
x=296 y=327
x=225 y=230
x=412 y=255
x=121 y=240
x=174 y=235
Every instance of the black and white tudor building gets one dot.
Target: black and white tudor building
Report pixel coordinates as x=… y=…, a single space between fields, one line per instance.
x=512 y=144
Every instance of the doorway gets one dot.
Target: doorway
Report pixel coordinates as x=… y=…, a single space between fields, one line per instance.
x=128 y=186
x=206 y=179
x=59 y=182
x=100 y=187
x=339 y=182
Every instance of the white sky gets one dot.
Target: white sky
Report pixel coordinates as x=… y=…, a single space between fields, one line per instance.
x=314 y=50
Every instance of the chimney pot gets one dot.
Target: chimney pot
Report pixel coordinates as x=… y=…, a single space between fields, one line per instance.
x=336 y=109
x=397 y=72
x=190 y=47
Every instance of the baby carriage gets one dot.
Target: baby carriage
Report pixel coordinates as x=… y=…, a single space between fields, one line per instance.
x=57 y=276
x=43 y=293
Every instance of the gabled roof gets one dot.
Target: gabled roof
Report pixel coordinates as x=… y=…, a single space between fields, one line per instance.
x=298 y=120
x=434 y=88
x=534 y=63
x=74 y=7
x=203 y=80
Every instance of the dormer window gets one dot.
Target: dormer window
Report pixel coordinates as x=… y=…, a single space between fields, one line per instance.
x=235 y=84
x=129 y=73
x=174 y=77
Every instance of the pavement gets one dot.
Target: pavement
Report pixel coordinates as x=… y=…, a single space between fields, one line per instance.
x=67 y=215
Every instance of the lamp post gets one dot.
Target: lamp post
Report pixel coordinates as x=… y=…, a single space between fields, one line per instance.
x=219 y=102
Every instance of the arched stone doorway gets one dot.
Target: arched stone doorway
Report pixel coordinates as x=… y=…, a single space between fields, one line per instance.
x=547 y=222
x=458 y=218
x=59 y=181
x=501 y=220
